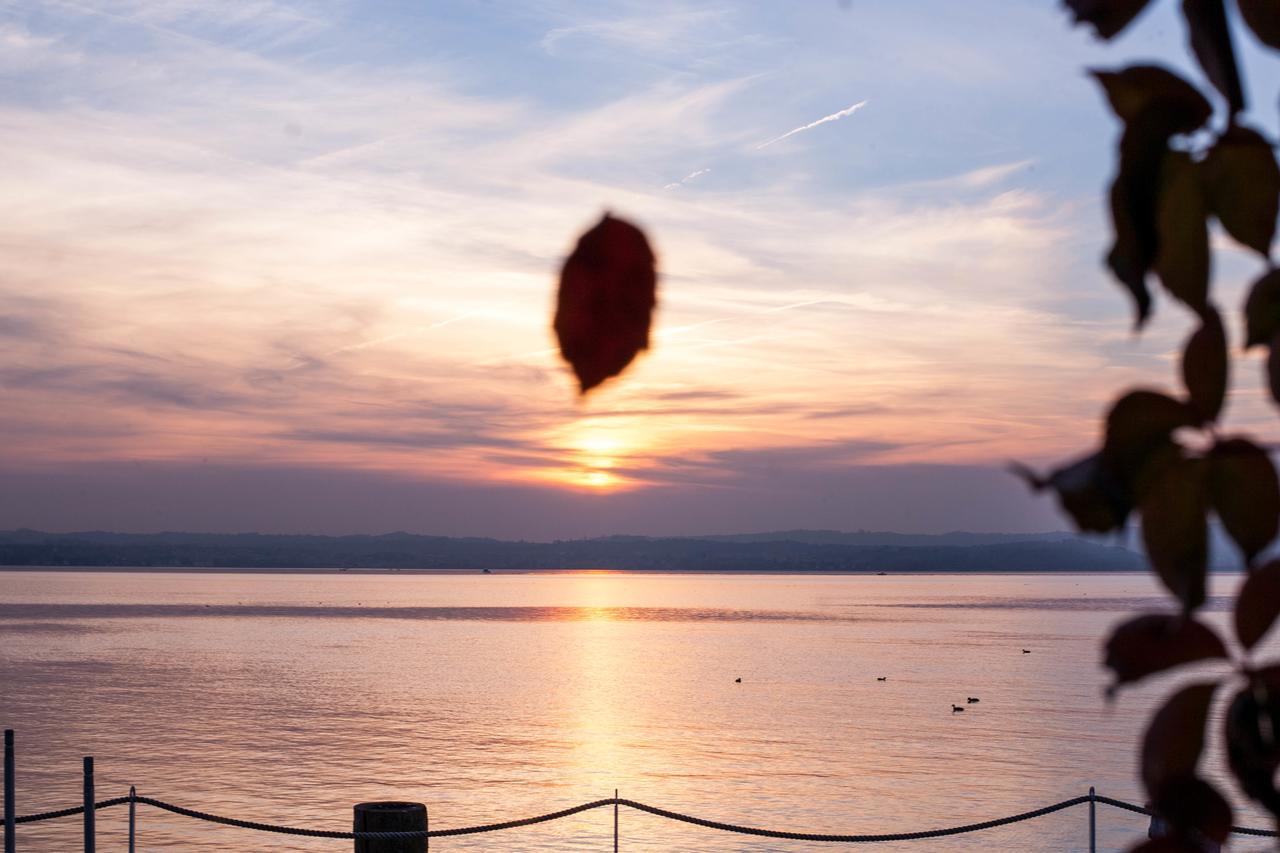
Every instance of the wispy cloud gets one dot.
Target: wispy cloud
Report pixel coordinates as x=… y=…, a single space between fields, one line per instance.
x=847 y=111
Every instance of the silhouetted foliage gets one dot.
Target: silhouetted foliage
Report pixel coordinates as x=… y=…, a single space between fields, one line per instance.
x=1175 y=170
x=1169 y=182
x=606 y=301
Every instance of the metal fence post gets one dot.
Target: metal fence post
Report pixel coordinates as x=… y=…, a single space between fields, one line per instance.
x=10 y=808
x=1093 y=824
x=390 y=817
x=615 y=820
x=133 y=809
x=90 y=842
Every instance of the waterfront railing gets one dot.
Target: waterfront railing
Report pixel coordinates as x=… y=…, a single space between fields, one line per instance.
x=378 y=826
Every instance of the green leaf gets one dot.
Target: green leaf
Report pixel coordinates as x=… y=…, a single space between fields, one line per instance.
x=1211 y=43
x=1205 y=367
x=606 y=301
x=1182 y=256
x=1263 y=17
x=1175 y=737
x=1252 y=725
x=1155 y=642
x=1107 y=17
x=1262 y=310
x=1243 y=183
x=1258 y=604
x=1245 y=492
x=1175 y=528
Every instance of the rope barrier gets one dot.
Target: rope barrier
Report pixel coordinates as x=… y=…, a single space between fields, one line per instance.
x=616 y=801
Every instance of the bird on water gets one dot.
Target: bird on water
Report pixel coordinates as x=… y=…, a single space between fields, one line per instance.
x=955 y=709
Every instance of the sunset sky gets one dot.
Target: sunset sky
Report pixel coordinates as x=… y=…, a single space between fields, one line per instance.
x=289 y=265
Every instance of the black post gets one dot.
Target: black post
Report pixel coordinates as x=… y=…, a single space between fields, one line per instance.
x=391 y=817
x=90 y=842
x=1093 y=825
x=133 y=816
x=615 y=820
x=10 y=807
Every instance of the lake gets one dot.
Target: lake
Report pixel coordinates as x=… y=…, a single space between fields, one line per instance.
x=289 y=697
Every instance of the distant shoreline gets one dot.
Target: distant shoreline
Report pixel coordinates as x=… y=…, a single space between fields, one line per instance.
x=243 y=570
x=795 y=552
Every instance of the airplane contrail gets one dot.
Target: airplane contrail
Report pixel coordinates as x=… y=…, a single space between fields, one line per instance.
x=847 y=111
x=686 y=179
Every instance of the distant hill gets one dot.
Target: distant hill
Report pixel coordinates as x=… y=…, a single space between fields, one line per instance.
x=785 y=551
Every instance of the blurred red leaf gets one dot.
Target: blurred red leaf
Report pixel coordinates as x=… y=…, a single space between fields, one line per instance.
x=1133 y=214
x=1194 y=809
x=1175 y=528
x=1205 y=367
x=1155 y=642
x=1168 y=845
x=1245 y=493
x=1273 y=367
x=1142 y=418
x=1242 y=182
x=1088 y=491
x=606 y=301
x=1211 y=43
x=1150 y=92
x=1175 y=737
x=1182 y=233
x=1107 y=17
x=1154 y=104
x=1258 y=604
x=1262 y=310
x=1263 y=17
x=1252 y=724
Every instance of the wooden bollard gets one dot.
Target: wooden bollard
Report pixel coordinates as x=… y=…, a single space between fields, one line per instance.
x=391 y=817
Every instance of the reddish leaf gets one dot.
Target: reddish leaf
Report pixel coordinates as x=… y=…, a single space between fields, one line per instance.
x=1138 y=437
x=1175 y=737
x=1107 y=17
x=1245 y=493
x=1211 y=43
x=1194 y=809
x=1148 y=91
x=1182 y=254
x=1243 y=185
x=1258 y=604
x=606 y=301
x=1133 y=218
x=1262 y=310
x=1263 y=17
x=1273 y=367
x=1204 y=367
x=1168 y=844
x=1142 y=418
x=1252 y=725
x=1088 y=491
x=1155 y=642
x=1154 y=104
x=1175 y=528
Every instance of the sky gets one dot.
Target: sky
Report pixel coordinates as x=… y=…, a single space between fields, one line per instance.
x=289 y=265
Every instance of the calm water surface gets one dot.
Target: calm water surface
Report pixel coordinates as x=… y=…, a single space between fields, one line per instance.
x=286 y=698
